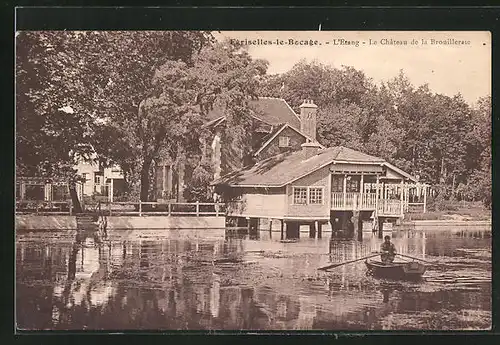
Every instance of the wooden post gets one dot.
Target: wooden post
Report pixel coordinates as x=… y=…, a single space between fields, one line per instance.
x=319 y=229
x=329 y=191
x=361 y=191
x=425 y=198
x=109 y=208
x=248 y=225
x=140 y=208
x=355 y=221
x=360 y=228
x=71 y=208
x=376 y=198
x=270 y=228
x=312 y=230
x=344 y=191
x=169 y=209
x=164 y=180
x=424 y=239
x=401 y=198
x=406 y=190
x=23 y=190
x=282 y=228
x=380 y=227
x=111 y=190
x=197 y=208
x=216 y=205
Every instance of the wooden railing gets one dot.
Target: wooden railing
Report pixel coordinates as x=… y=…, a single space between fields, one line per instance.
x=149 y=208
x=389 y=207
x=139 y=208
x=365 y=201
x=44 y=207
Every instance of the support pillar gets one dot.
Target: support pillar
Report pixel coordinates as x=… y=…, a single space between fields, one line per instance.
x=292 y=229
x=23 y=190
x=111 y=190
x=164 y=181
x=47 y=192
x=380 y=227
x=344 y=192
x=253 y=228
x=270 y=228
x=312 y=230
x=401 y=198
x=319 y=229
x=425 y=198
x=358 y=230
x=361 y=191
x=282 y=223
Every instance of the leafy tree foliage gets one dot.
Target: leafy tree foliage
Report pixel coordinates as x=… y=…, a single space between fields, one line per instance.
x=135 y=97
x=53 y=98
x=440 y=139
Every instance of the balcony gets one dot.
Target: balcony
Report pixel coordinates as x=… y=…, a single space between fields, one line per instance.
x=365 y=202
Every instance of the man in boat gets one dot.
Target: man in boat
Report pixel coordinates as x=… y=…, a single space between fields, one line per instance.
x=387 y=251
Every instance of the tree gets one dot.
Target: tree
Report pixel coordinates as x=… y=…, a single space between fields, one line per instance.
x=147 y=99
x=165 y=114
x=479 y=185
x=53 y=96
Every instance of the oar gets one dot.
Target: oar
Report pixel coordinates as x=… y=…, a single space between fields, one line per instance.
x=412 y=257
x=324 y=268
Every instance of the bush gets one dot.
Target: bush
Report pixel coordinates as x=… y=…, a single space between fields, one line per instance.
x=198 y=188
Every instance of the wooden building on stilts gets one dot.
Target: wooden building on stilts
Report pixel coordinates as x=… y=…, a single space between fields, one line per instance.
x=315 y=186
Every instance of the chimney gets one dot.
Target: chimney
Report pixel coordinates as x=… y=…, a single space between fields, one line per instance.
x=310 y=149
x=308 y=118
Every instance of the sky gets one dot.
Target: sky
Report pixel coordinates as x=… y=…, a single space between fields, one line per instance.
x=464 y=66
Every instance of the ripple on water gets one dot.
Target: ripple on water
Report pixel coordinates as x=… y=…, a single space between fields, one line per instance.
x=220 y=283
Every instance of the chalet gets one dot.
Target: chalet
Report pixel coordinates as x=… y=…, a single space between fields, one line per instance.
x=278 y=129
x=318 y=185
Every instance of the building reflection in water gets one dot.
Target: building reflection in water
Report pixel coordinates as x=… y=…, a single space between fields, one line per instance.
x=174 y=284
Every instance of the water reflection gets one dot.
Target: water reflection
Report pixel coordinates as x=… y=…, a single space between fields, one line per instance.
x=184 y=280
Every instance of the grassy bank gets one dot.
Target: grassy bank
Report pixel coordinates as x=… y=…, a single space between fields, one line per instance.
x=457 y=210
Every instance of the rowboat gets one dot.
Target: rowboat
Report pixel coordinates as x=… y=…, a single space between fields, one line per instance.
x=412 y=270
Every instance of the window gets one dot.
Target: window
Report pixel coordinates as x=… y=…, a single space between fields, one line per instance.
x=284 y=141
x=85 y=177
x=97 y=179
x=337 y=183
x=300 y=195
x=352 y=185
x=315 y=195
x=307 y=195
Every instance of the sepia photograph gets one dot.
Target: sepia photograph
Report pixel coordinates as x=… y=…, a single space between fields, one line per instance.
x=253 y=180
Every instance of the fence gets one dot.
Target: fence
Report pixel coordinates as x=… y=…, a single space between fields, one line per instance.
x=139 y=208
x=44 y=207
x=357 y=201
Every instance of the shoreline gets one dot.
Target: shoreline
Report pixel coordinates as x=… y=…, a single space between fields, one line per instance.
x=59 y=222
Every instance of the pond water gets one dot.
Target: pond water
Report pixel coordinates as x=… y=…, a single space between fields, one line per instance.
x=219 y=280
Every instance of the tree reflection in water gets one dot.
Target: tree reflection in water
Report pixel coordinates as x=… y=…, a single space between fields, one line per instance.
x=177 y=283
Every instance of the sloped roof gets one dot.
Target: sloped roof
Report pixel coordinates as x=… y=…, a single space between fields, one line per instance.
x=273 y=111
x=269 y=137
x=282 y=169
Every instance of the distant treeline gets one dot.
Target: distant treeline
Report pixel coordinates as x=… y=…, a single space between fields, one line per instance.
x=134 y=98
x=441 y=139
